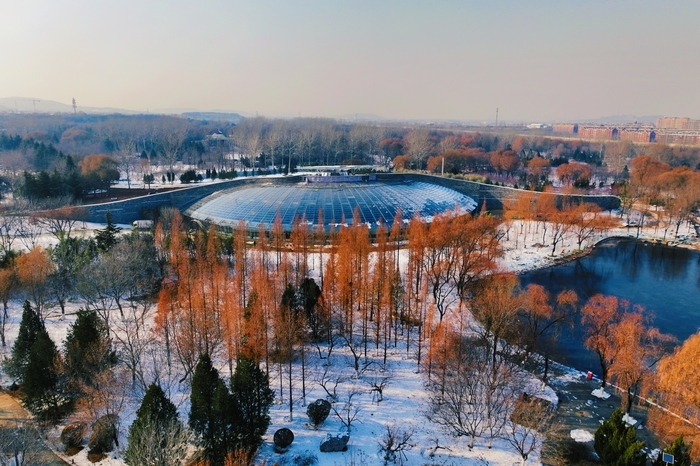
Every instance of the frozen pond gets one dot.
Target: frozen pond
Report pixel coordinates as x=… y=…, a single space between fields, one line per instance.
x=665 y=280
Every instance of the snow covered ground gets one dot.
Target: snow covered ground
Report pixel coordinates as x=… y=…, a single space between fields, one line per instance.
x=404 y=398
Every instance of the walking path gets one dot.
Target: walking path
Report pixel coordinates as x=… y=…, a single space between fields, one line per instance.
x=12 y=412
x=579 y=409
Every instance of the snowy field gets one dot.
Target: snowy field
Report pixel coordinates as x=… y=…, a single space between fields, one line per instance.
x=404 y=400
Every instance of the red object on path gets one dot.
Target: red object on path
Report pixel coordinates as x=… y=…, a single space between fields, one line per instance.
x=589 y=376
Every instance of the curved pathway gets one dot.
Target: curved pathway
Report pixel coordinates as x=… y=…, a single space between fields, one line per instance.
x=10 y=413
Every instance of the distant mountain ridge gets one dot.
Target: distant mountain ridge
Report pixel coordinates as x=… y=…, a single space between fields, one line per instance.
x=32 y=105
x=215 y=116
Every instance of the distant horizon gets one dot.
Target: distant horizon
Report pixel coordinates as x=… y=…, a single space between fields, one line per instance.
x=361 y=116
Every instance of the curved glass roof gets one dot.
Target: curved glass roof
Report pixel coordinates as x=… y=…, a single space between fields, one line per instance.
x=376 y=201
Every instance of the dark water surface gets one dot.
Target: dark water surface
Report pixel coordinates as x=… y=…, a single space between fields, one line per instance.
x=665 y=280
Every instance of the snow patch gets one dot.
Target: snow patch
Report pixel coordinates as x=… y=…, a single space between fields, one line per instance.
x=629 y=420
x=600 y=393
x=581 y=436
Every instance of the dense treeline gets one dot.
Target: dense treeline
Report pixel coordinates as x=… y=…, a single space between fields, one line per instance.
x=153 y=145
x=95 y=173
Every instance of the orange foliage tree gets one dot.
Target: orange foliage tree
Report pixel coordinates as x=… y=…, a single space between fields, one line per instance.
x=495 y=305
x=539 y=319
x=191 y=302
x=587 y=220
x=99 y=171
x=33 y=270
x=599 y=317
x=676 y=387
x=640 y=348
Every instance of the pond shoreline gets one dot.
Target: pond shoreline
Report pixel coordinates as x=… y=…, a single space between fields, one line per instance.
x=577 y=254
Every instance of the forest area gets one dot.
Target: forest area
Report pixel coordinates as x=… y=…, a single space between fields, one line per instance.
x=206 y=318
x=193 y=336
x=74 y=157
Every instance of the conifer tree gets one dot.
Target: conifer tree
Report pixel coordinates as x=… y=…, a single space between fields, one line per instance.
x=41 y=378
x=156 y=437
x=204 y=382
x=616 y=443
x=680 y=452
x=28 y=328
x=251 y=392
x=87 y=348
x=226 y=429
x=214 y=414
x=107 y=237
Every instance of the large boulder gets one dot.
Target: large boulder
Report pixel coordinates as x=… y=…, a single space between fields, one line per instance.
x=73 y=434
x=318 y=411
x=282 y=439
x=335 y=443
x=104 y=434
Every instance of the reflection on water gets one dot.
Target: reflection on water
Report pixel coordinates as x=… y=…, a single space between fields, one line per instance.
x=664 y=280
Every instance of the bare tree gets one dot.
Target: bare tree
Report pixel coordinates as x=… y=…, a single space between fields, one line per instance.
x=355 y=346
x=251 y=137
x=329 y=383
x=378 y=380
x=171 y=137
x=133 y=338
x=9 y=230
x=470 y=399
x=529 y=421
x=458 y=402
x=62 y=220
x=107 y=396
x=330 y=138
x=349 y=412
x=273 y=138
x=28 y=230
x=419 y=146
x=20 y=444
x=120 y=275
x=394 y=443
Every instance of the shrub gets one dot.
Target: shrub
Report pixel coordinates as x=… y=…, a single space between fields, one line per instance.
x=282 y=439
x=104 y=434
x=72 y=435
x=318 y=411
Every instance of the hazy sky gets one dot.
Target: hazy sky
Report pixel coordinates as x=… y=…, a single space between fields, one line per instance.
x=533 y=59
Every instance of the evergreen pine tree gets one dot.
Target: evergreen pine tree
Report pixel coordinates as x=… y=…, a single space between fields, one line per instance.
x=107 y=238
x=680 y=452
x=156 y=437
x=253 y=396
x=41 y=377
x=226 y=428
x=204 y=382
x=87 y=349
x=210 y=406
x=616 y=443
x=28 y=328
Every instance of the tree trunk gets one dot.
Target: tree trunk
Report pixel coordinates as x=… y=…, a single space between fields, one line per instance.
x=291 y=399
